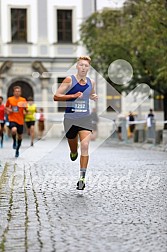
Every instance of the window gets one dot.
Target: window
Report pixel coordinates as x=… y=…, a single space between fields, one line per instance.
x=61 y=105
x=64 y=26
x=19 y=25
x=158 y=102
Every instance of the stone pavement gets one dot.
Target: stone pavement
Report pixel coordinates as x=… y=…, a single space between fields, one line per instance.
x=123 y=207
x=111 y=141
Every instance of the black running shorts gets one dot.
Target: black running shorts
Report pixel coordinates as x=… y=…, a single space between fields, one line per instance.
x=73 y=126
x=18 y=126
x=29 y=124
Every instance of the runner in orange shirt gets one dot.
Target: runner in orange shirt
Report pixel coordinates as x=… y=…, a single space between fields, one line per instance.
x=15 y=108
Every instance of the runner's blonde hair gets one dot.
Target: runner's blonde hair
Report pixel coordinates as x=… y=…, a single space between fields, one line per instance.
x=16 y=87
x=84 y=58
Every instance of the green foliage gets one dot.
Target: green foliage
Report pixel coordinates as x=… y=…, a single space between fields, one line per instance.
x=136 y=33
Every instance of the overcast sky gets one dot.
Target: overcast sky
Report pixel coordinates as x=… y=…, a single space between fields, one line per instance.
x=109 y=3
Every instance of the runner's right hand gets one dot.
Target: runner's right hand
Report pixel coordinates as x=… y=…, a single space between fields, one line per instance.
x=8 y=110
x=78 y=95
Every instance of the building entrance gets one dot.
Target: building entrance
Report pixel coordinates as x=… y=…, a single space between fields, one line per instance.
x=27 y=90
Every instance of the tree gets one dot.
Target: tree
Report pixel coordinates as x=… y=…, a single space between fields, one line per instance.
x=136 y=33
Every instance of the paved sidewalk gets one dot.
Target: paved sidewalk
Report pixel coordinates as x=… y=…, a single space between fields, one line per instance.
x=123 y=208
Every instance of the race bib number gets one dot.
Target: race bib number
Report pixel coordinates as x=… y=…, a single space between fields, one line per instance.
x=80 y=106
x=15 y=108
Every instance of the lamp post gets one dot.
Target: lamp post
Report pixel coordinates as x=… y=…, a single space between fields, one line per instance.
x=98 y=23
x=96 y=76
x=95 y=5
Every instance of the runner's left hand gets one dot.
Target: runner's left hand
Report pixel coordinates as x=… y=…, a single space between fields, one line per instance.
x=94 y=97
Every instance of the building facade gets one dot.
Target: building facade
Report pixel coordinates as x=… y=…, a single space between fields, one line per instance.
x=38 y=36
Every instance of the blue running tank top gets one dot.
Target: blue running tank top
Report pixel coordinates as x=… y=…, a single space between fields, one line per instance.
x=78 y=108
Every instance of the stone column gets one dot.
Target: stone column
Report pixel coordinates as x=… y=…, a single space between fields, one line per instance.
x=1 y=85
x=124 y=129
x=101 y=87
x=45 y=85
x=44 y=100
x=164 y=137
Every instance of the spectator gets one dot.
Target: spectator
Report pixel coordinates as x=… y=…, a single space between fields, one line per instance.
x=41 y=123
x=119 y=126
x=151 y=125
x=150 y=119
x=131 y=119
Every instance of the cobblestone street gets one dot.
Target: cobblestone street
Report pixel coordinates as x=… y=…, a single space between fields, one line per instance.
x=122 y=209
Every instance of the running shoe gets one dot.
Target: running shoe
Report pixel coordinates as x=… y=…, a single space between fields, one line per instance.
x=81 y=184
x=73 y=156
x=14 y=145
x=17 y=153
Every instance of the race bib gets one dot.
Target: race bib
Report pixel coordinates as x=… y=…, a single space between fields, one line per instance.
x=15 y=108
x=80 y=106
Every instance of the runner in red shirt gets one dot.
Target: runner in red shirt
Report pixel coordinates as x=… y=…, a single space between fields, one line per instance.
x=2 y=120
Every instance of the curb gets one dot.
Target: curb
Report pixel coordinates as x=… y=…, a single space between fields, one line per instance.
x=145 y=146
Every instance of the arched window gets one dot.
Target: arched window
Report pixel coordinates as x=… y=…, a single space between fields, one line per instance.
x=27 y=90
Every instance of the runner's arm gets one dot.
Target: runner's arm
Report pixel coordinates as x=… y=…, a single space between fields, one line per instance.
x=8 y=108
x=60 y=96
